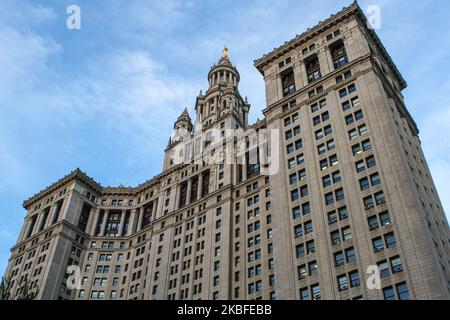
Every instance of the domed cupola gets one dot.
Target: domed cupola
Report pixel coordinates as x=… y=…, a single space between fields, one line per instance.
x=223 y=72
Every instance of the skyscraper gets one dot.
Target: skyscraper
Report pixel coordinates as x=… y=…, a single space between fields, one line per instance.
x=351 y=193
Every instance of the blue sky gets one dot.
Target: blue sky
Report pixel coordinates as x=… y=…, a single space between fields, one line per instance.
x=104 y=98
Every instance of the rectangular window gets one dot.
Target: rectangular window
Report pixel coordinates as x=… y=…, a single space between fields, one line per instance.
x=339 y=258
x=373 y=223
x=402 y=291
x=288 y=83
x=378 y=245
x=385 y=219
x=338 y=54
x=354 y=279
x=350 y=255
x=390 y=240
x=388 y=293
x=342 y=282
x=396 y=264
x=312 y=68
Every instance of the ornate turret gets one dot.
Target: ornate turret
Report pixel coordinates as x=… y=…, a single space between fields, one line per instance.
x=183 y=121
x=223 y=72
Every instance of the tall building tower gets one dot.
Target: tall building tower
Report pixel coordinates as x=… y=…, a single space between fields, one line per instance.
x=352 y=155
x=352 y=193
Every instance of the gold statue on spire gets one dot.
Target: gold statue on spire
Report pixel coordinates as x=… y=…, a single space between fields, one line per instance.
x=225 y=52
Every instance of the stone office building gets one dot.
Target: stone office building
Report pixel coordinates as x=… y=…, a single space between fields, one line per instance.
x=353 y=190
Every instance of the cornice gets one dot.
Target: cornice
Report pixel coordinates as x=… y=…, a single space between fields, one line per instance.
x=306 y=36
x=353 y=10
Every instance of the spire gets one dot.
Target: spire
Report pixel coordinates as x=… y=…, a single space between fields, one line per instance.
x=184 y=116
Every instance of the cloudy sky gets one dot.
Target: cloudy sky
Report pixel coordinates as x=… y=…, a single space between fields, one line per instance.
x=104 y=98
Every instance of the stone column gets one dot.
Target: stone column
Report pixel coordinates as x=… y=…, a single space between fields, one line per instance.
x=39 y=222
x=154 y=209
x=105 y=219
x=323 y=63
x=122 y=223
x=141 y=218
x=188 y=191
x=304 y=74
x=50 y=216
x=36 y=224
x=280 y=87
x=200 y=186
x=131 y=225
x=94 y=222
x=329 y=59
x=244 y=168
x=25 y=228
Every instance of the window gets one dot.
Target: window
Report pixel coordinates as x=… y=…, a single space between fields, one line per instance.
x=385 y=219
x=346 y=234
x=343 y=213
x=326 y=181
x=339 y=193
x=364 y=183
x=402 y=291
x=216 y=281
x=356 y=149
x=350 y=255
x=336 y=176
x=312 y=268
x=338 y=54
x=302 y=273
x=335 y=237
x=396 y=264
x=308 y=227
x=298 y=144
x=288 y=134
x=379 y=198
x=366 y=145
x=362 y=129
x=310 y=247
x=354 y=279
x=339 y=258
x=329 y=198
x=288 y=83
x=312 y=68
x=315 y=290
x=295 y=195
x=296 y=213
x=300 y=250
x=342 y=282
x=368 y=202
x=373 y=223
x=390 y=240
x=304 y=294
x=304 y=191
x=332 y=217
x=351 y=88
x=353 y=134
x=298 y=231
x=388 y=293
x=360 y=166
x=384 y=269
x=370 y=161
x=346 y=105
x=378 y=245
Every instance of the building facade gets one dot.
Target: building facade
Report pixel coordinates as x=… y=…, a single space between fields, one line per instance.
x=352 y=190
